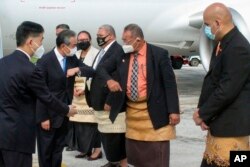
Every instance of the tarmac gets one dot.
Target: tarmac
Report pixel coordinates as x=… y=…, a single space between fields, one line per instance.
x=187 y=149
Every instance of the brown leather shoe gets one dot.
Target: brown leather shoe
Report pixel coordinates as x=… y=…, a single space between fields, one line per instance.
x=95 y=158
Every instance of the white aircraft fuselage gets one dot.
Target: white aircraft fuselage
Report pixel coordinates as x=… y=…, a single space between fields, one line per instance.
x=173 y=25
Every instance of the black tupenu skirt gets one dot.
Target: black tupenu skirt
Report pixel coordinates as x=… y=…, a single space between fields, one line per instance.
x=86 y=137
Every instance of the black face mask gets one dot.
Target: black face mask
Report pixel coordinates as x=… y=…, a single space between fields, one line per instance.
x=83 y=45
x=101 y=40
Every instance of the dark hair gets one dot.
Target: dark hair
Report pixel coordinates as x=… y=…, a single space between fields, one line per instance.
x=27 y=29
x=135 y=30
x=63 y=26
x=86 y=32
x=64 y=37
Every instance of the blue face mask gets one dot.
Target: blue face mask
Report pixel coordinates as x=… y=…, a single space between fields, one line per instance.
x=209 y=33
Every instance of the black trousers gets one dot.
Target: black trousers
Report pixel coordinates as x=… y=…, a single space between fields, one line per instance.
x=70 y=135
x=114 y=146
x=15 y=159
x=50 y=145
x=204 y=164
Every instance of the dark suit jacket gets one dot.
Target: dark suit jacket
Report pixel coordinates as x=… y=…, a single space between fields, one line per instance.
x=162 y=97
x=20 y=84
x=58 y=84
x=99 y=94
x=225 y=97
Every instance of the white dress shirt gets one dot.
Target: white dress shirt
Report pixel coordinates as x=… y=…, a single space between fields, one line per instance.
x=59 y=57
x=24 y=53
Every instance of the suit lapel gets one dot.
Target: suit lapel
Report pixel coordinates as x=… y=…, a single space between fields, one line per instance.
x=124 y=71
x=95 y=59
x=150 y=67
x=56 y=64
x=108 y=54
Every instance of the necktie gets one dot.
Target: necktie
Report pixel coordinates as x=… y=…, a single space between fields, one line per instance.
x=98 y=58
x=134 y=79
x=218 y=49
x=64 y=64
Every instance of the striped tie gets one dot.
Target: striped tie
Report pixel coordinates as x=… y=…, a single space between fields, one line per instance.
x=134 y=79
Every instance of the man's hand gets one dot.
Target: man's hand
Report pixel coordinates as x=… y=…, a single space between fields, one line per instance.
x=174 y=119
x=71 y=72
x=107 y=107
x=45 y=125
x=114 y=86
x=197 y=118
x=204 y=126
x=78 y=92
x=72 y=111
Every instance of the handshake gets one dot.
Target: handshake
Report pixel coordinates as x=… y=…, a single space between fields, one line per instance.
x=72 y=111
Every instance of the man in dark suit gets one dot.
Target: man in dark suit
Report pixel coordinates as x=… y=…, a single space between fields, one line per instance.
x=21 y=83
x=146 y=89
x=113 y=140
x=223 y=107
x=52 y=128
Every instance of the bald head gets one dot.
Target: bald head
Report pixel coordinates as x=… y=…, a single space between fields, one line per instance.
x=219 y=18
x=218 y=11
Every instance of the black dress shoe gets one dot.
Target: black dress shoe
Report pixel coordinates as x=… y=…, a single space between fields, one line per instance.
x=95 y=158
x=81 y=155
x=109 y=164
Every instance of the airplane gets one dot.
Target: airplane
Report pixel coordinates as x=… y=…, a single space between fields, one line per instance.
x=174 y=25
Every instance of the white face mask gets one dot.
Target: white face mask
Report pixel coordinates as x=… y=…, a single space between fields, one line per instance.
x=39 y=51
x=128 y=48
x=72 y=52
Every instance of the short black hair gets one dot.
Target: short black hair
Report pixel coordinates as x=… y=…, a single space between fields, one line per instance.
x=86 y=32
x=63 y=26
x=64 y=36
x=27 y=29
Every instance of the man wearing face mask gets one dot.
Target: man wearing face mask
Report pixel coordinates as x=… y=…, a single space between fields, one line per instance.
x=52 y=128
x=21 y=84
x=112 y=134
x=146 y=89
x=223 y=107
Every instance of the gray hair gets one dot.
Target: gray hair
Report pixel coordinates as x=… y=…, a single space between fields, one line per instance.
x=64 y=37
x=135 y=30
x=110 y=29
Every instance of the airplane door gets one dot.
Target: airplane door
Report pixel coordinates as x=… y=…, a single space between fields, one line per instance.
x=1 y=43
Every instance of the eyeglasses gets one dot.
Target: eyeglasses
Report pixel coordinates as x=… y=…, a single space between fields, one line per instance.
x=83 y=40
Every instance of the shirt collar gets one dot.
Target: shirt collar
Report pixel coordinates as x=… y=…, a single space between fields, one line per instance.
x=108 y=46
x=227 y=38
x=142 y=51
x=24 y=53
x=58 y=55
